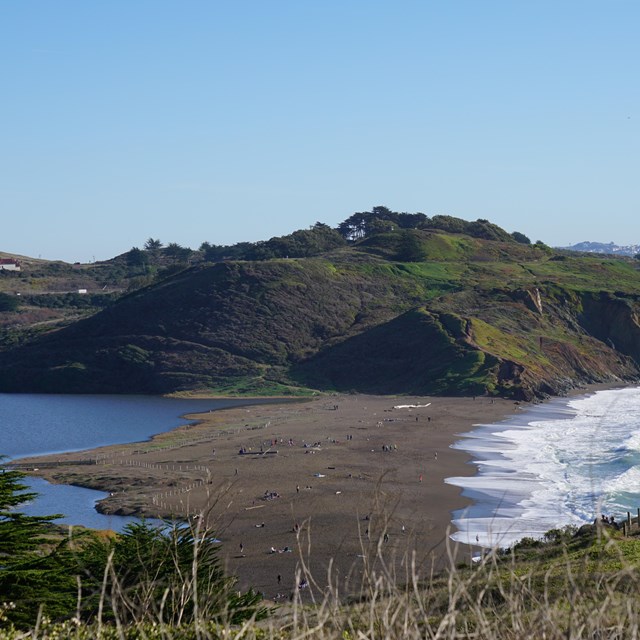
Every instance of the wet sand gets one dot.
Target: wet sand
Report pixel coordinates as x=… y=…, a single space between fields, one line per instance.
x=333 y=483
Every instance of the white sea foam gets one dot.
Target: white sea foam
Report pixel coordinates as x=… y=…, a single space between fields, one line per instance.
x=555 y=464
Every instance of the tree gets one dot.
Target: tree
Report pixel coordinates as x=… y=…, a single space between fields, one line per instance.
x=18 y=533
x=379 y=225
x=410 y=248
x=158 y=574
x=153 y=245
x=145 y=574
x=539 y=244
x=520 y=237
x=411 y=220
x=217 y=253
x=33 y=573
x=303 y=243
x=137 y=258
x=178 y=252
x=354 y=227
x=363 y=224
x=449 y=223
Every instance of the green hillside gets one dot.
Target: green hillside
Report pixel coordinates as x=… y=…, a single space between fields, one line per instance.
x=422 y=309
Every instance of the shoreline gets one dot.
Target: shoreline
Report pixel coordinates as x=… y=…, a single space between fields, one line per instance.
x=501 y=513
x=374 y=470
x=360 y=476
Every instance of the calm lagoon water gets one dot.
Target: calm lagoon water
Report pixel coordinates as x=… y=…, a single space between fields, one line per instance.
x=35 y=424
x=558 y=463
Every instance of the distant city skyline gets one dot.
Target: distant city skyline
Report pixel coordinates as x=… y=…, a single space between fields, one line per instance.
x=228 y=122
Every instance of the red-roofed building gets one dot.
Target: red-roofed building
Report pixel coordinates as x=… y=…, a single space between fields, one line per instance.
x=9 y=264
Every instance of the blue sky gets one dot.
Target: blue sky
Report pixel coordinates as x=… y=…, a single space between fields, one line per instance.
x=198 y=120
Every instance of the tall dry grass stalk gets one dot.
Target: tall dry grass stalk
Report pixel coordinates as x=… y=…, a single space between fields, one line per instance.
x=501 y=597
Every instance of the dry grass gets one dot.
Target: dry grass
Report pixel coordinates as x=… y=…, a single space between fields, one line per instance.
x=557 y=595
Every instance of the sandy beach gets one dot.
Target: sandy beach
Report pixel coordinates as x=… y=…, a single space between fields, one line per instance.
x=329 y=482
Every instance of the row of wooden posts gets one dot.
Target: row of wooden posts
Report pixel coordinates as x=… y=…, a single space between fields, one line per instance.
x=631 y=524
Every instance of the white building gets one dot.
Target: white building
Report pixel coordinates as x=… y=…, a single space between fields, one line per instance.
x=9 y=264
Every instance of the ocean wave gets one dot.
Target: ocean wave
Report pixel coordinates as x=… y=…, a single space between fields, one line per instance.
x=559 y=463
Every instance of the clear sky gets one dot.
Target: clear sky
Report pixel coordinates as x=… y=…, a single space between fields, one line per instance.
x=224 y=121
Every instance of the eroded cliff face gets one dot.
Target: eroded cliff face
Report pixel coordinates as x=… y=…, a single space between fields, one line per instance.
x=613 y=319
x=525 y=344
x=548 y=341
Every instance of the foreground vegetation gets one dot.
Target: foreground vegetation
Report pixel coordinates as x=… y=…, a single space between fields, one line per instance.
x=569 y=588
x=145 y=583
x=144 y=575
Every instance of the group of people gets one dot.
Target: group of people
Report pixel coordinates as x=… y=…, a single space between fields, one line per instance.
x=283 y=550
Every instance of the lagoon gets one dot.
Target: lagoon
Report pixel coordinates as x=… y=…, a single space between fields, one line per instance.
x=38 y=424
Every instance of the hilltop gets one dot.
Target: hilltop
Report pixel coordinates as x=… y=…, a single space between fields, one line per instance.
x=385 y=303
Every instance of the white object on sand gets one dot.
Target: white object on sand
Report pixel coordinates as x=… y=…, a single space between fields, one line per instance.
x=412 y=406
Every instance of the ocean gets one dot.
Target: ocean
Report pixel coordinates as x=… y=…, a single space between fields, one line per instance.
x=559 y=463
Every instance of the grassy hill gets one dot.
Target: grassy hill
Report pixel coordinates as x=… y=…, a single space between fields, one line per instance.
x=402 y=311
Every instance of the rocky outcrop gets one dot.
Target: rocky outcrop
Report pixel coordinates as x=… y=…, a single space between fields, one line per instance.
x=614 y=320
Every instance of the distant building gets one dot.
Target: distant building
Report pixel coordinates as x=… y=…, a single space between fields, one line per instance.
x=9 y=264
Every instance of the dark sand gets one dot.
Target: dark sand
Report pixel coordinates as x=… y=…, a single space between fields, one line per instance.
x=335 y=500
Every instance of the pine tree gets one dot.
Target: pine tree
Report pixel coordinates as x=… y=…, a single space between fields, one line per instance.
x=18 y=533
x=34 y=571
x=144 y=574
x=157 y=573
